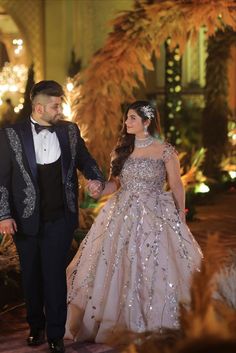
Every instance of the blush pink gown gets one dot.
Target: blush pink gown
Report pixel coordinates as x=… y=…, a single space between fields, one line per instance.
x=135 y=264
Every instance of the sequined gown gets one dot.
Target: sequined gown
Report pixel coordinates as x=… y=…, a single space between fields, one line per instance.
x=135 y=263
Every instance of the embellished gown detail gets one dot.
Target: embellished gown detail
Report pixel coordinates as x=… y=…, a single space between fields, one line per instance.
x=135 y=264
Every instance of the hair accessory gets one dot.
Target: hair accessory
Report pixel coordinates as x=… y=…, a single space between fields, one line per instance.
x=148 y=111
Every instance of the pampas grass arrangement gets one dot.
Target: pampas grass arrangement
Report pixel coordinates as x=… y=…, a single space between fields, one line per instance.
x=9 y=260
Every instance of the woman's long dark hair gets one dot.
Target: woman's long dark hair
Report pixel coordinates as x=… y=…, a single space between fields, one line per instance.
x=125 y=144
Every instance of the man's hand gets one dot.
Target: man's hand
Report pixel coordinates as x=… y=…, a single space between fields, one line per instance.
x=94 y=188
x=8 y=226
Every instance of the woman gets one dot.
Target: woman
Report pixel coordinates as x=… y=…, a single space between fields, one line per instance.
x=135 y=264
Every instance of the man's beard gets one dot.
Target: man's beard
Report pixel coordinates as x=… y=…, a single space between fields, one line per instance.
x=56 y=119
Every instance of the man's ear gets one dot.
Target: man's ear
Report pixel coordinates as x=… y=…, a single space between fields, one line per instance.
x=39 y=108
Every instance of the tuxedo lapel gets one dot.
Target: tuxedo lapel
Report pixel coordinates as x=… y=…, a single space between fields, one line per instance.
x=63 y=138
x=28 y=144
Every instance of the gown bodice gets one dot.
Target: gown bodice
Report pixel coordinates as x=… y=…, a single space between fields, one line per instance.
x=143 y=174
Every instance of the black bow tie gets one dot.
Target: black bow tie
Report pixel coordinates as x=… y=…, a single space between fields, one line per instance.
x=39 y=128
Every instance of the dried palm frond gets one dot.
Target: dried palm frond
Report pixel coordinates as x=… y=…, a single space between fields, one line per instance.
x=86 y=218
x=117 y=68
x=9 y=259
x=193 y=175
x=228 y=164
x=226 y=285
x=205 y=315
x=151 y=342
x=205 y=344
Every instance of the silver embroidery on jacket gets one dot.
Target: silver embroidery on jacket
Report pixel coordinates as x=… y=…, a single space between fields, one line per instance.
x=4 y=203
x=70 y=195
x=30 y=191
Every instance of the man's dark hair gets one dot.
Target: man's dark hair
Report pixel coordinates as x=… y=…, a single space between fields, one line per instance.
x=48 y=88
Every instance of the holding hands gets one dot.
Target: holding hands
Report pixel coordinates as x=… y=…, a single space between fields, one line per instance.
x=94 y=188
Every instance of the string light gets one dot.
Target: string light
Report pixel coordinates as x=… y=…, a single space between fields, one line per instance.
x=173 y=93
x=18 y=46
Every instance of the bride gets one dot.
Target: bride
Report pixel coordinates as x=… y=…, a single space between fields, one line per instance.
x=135 y=264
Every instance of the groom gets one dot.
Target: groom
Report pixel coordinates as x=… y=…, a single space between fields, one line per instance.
x=39 y=159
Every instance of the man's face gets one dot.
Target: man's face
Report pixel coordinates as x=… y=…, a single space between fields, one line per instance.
x=52 y=110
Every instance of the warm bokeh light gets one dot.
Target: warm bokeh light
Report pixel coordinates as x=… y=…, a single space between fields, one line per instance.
x=202 y=188
x=66 y=110
x=232 y=174
x=13 y=78
x=18 y=46
x=69 y=86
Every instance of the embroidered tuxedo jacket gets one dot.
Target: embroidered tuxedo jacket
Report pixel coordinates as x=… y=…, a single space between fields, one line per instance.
x=19 y=191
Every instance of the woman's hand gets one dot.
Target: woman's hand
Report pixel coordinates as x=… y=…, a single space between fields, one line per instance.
x=182 y=215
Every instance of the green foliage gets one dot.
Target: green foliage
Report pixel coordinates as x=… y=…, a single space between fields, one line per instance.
x=173 y=102
x=88 y=201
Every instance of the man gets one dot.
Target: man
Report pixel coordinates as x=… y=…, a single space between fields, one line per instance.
x=39 y=159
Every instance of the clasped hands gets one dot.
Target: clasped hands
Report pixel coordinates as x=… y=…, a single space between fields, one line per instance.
x=94 y=188
x=8 y=226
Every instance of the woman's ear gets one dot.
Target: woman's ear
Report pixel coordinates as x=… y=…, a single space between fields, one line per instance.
x=146 y=123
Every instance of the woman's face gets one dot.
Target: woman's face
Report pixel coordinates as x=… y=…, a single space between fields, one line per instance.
x=134 y=123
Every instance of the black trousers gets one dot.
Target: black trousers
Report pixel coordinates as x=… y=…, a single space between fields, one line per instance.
x=43 y=260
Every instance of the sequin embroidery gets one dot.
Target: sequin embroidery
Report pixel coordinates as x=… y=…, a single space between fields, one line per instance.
x=4 y=203
x=30 y=199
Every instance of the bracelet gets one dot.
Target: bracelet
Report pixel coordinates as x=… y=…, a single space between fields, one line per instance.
x=181 y=211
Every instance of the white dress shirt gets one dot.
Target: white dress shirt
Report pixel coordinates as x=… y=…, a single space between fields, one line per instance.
x=46 y=145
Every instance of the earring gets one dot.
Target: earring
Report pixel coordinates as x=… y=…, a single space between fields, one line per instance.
x=145 y=130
